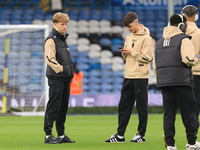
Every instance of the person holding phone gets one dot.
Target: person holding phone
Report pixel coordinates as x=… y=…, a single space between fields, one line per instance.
x=138 y=54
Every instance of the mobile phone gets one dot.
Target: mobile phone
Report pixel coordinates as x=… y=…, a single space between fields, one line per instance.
x=120 y=48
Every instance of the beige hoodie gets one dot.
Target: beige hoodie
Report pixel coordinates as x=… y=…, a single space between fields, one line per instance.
x=138 y=63
x=187 y=49
x=194 y=31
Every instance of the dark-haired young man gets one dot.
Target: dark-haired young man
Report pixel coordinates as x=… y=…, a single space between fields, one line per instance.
x=191 y=14
x=174 y=57
x=138 y=53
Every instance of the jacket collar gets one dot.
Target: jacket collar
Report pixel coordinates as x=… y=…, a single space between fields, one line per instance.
x=59 y=35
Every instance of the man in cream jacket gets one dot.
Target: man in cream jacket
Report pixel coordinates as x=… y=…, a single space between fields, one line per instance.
x=138 y=53
x=174 y=58
x=191 y=14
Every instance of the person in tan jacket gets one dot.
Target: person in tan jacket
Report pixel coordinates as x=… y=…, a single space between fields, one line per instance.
x=191 y=13
x=138 y=54
x=174 y=58
x=59 y=71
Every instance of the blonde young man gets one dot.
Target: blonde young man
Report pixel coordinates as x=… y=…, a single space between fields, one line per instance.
x=174 y=58
x=60 y=71
x=138 y=53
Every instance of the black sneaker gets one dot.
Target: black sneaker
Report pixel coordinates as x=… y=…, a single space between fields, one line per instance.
x=66 y=139
x=51 y=140
x=138 y=139
x=115 y=139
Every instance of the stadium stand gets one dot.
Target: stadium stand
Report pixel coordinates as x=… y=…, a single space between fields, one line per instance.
x=94 y=38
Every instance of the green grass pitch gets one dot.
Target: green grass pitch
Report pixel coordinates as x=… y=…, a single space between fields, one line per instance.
x=89 y=132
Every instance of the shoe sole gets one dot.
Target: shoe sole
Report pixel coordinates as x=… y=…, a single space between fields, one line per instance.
x=164 y=140
x=114 y=142
x=137 y=142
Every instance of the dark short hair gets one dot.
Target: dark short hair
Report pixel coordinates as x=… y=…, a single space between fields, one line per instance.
x=176 y=19
x=190 y=11
x=129 y=18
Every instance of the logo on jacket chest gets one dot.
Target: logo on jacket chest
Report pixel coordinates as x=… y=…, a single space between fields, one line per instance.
x=133 y=42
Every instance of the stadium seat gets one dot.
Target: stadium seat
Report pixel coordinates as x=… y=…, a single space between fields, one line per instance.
x=115 y=47
x=93 y=60
x=105 y=23
x=72 y=47
x=72 y=12
x=83 y=32
x=72 y=41
x=105 y=60
x=94 y=80
x=82 y=60
x=117 y=60
x=93 y=23
x=83 y=23
x=106 y=53
x=83 y=47
x=106 y=67
x=94 y=73
x=94 y=66
x=83 y=67
x=84 y=41
x=94 y=54
x=117 y=67
x=116 y=41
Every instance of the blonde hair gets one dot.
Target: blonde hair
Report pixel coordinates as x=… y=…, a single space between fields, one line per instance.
x=60 y=17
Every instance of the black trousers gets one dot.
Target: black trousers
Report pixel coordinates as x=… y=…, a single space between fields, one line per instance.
x=57 y=106
x=197 y=95
x=182 y=97
x=133 y=90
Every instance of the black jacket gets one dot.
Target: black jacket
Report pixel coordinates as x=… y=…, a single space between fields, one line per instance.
x=63 y=57
x=170 y=69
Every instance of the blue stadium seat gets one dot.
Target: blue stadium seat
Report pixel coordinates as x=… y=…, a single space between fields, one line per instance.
x=94 y=73
x=95 y=66
x=106 y=73
x=106 y=80
x=84 y=54
x=94 y=60
x=72 y=12
x=82 y=67
x=82 y=60
x=94 y=80
x=105 y=41
x=85 y=87
x=106 y=67
x=116 y=41
x=106 y=88
x=117 y=15
x=115 y=47
x=85 y=73
x=73 y=17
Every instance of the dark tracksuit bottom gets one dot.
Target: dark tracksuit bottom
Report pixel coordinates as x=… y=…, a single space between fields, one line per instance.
x=197 y=95
x=133 y=90
x=57 y=106
x=183 y=96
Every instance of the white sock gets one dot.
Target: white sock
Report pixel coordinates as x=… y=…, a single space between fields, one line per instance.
x=120 y=137
x=62 y=136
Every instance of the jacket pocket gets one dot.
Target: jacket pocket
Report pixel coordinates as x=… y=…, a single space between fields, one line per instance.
x=144 y=68
x=68 y=71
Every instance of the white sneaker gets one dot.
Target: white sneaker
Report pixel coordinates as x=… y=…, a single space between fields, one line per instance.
x=198 y=143
x=192 y=147
x=171 y=148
